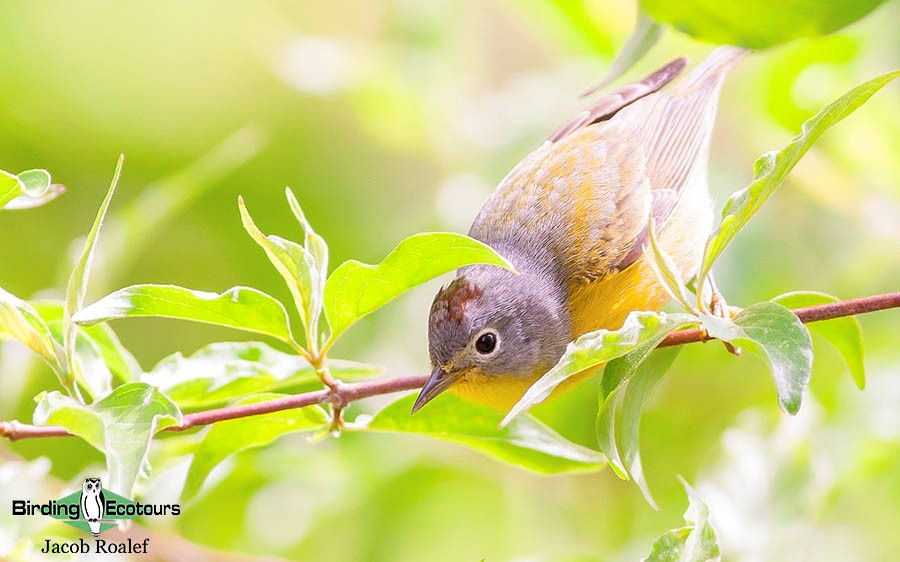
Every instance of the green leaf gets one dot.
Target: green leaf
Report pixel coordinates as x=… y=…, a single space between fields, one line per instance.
x=356 y=289
x=239 y=307
x=316 y=245
x=120 y=361
x=640 y=330
x=606 y=432
x=772 y=168
x=98 y=351
x=29 y=189
x=757 y=24
x=26 y=202
x=845 y=334
x=645 y=34
x=637 y=391
x=616 y=375
x=300 y=268
x=35 y=183
x=696 y=542
x=573 y=24
x=221 y=372
x=55 y=408
x=22 y=322
x=92 y=372
x=30 y=184
x=232 y=436
x=121 y=425
x=100 y=339
x=91 y=358
x=77 y=286
x=666 y=271
x=525 y=442
x=775 y=334
x=10 y=188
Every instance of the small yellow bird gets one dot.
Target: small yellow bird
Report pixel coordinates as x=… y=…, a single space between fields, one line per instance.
x=572 y=217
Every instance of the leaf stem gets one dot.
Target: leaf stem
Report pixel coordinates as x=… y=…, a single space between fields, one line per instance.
x=334 y=386
x=71 y=386
x=327 y=345
x=343 y=394
x=301 y=351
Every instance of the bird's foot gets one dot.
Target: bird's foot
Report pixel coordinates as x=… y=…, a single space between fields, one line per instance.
x=719 y=307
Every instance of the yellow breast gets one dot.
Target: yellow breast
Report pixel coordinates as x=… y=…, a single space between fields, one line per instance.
x=502 y=392
x=606 y=302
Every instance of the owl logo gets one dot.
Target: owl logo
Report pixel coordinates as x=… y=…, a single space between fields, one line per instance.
x=92 y=504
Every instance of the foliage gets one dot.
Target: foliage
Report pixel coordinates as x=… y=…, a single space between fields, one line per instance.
x=220 y=372
x=229 y=371
x=619 y=416
x=304 y=267
x=28 y=189
x=695 y=542
x=19 y=320
x=845 y=334
x=645 y=34
x=243 y=308
x=525 y=442
x=77 y=286
x=771 y=168
x=758 y=23
x=121 y=424
x=772 y=332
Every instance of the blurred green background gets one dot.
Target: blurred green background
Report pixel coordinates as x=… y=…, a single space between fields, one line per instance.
x=389 y=118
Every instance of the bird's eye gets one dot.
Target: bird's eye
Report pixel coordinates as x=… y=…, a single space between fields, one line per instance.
x=486 y=343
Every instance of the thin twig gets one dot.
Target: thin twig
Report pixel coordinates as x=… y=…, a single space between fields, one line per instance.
x=347 y=393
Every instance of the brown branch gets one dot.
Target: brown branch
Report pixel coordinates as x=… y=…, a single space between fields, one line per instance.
x=347 y=393
x=809 y=314
x=344 y=394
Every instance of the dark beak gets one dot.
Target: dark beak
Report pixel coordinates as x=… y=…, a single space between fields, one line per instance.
x=439 y=381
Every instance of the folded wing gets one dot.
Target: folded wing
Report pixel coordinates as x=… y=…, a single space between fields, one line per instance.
x=581 y=201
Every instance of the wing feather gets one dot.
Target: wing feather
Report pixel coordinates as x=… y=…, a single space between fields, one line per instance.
x=608 y=105
x=675 y=126
x=581 y=201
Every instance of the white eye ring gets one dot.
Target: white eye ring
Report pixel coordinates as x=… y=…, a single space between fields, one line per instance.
x=486 y=342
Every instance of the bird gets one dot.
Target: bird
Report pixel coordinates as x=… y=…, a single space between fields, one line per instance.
x=572 y=218
x=92 y=504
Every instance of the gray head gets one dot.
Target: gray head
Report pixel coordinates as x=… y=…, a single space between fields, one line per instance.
x=491 y=323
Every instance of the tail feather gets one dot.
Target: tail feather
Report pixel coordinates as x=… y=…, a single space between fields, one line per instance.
x=713 y=69
x=608 y=105
x=675 y=126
